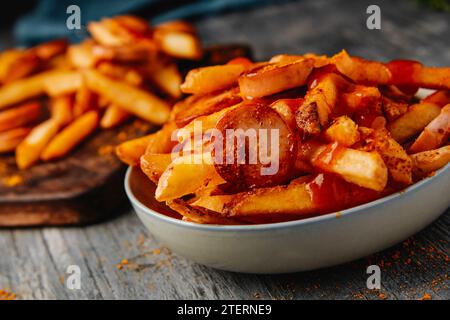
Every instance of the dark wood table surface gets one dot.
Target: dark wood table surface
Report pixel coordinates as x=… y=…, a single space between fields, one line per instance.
x=34 y=262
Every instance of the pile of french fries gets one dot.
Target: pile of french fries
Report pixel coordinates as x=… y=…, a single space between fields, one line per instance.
x=351 y=131
x=54 y=95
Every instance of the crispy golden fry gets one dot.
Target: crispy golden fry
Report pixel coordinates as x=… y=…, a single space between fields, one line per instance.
x=9 y=140
x=292 y=199
x=319 y=61
x=429 y=161
x=20 y=116
x=121 y=72
x=113 y=117
x=163 y=141
x=154 y=164
x=61 y=82
x=201 y=105
x=70 y=136
x=365 y=169
x=393 y=109
x=344 y=131
x=136 y=101
x=85 y=100
x=419 y=76
x=440 y=98
x=360 y=97
x=435 y=134
x=18 y=65
x=178 y=43
x=24 y=89
x=395 y=157
x=167 y=77
x=286 y=109
x=48 y=50
x=61 y=109
x=82 y=55
x=413 y=121
x=136 y=52
x=360 y=70
x=191 y=214
x=29 y=150
x=319 y=102
x=273 y=78
x=119 y=31
x=131 y=151
x=208 y=79
x=186 y=175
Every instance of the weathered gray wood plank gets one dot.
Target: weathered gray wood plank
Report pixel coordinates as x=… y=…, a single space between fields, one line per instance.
x=33 y=262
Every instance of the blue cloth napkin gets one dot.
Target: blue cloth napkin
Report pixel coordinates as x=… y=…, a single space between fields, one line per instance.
x=48 y=20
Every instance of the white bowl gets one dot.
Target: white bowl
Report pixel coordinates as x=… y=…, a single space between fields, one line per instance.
x=301 y=245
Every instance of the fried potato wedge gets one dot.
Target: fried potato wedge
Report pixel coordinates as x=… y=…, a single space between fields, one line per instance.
x=186 y=175
x=136 y=101
x=29 y=151
x=360 y=70
x=208 y=79
x=61 y=109
x=154 y=164
x=113 y=117
x=440 y=98
x=131 y=151
x=414 y=74
x=20 y=116
x=272 y=78
x=429 y=161
x=70 y=136
x=393 y=109
x=365 y=169
x=413 y=121
x=435 y=134
x=178 y=43
x=344 y=131
x=395 y=157
x=9 y=140
x=200 y=105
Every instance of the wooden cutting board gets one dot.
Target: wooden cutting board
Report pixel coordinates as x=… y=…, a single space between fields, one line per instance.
x=79 y=189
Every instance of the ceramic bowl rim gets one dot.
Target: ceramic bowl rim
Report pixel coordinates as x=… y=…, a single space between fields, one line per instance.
x=280 y=225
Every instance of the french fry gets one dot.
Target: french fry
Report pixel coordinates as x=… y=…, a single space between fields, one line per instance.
x=70 y=136
x=136 y=52
x=61 y=82
x=82 y=55
x=162 y=141
x=141 y=103
x=429 y=161
x=365 y=169
x=191 y=214
x=20 y=116
x=319 y=102
x=435 y=134
x=113 y=117
x=360 y=70
x=121 y=72
x=25 y=63
x=344 y=131
x=85 y=100
x=395 y=157
x=319 y=61
x=167 y=77
x=413 y=121
x=9 y=140
x=28 y=152
x=393 y=109
x=48 y=50
x=131 y=151
x=272 y=78
x=178 y=43
x=418 y=75
x=61 y=109
x=286 y=110
x=186 y=175
x=440 y=98
x=208 y=79
x=154 y=164
x=24 y=89
x=201 y=105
